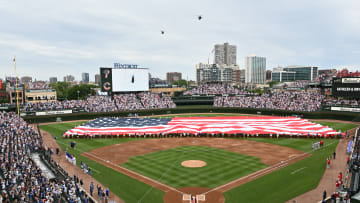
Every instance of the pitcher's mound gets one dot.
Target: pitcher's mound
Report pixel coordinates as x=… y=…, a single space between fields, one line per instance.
x=193 y=163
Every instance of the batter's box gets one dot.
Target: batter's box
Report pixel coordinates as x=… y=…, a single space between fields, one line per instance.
x=200 y=197
x=186 y=197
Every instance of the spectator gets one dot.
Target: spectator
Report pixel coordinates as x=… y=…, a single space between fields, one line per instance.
x=289 y=101
x=20 y=176
x=215 y=89
x=121 y=102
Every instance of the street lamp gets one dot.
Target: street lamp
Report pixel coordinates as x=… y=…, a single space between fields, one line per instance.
x=78 y=93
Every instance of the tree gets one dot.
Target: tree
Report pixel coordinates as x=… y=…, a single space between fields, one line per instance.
x=180 y=83
x=64 y=90
x=272 y=83
x=83 y=89
x=61 y=89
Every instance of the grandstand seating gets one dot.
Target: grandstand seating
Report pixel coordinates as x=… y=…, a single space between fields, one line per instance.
x=21 y=179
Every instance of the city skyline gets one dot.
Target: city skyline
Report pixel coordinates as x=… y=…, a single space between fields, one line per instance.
x=53 y=39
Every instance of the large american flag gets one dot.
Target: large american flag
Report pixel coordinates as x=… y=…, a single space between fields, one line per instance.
x=265 y=125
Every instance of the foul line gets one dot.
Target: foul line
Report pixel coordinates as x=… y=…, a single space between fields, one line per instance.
x=297 y=170
x=263 y=171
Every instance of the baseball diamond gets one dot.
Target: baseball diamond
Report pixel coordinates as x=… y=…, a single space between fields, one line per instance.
x=232 y=164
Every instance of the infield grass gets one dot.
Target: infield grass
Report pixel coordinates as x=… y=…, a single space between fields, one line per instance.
x=222 y=166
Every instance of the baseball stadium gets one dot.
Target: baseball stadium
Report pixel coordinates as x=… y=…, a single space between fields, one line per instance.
x=213 y=142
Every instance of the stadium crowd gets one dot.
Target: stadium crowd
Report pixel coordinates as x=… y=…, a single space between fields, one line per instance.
x=55 y=105
x=99 y=104
x=291 y=101
x=155 y=100
x=121 y=102
x=215 y=89
x=21 y=179
x=127 y=102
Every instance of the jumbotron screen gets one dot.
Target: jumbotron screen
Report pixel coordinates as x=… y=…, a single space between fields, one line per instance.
x=124 y=79
x=346 y=88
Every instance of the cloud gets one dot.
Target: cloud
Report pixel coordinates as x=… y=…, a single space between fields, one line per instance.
x=80 y=36
x=38 y=48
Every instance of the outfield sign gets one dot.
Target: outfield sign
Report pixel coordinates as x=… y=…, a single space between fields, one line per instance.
x=46 y=113
x=119 y=65
x=350 y=80
x=349 y=109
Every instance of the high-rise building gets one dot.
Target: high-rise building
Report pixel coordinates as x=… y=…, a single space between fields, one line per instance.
x=85 y=77
x=215 y=73
x=97 y=79
x=255 y=69
x=237 y=76
x=283 y=76
x=53 y=79
x=268 y=75
x=292 y=73
x=242 y=75
x=26 y=79
x=225 y=54
x=69 y=78
x=303 y=72
x=172 y=77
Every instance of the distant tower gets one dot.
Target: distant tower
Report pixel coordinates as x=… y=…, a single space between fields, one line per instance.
x=255 y=69
x=225 y=54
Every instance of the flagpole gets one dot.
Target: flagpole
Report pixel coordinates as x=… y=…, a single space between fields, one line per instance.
x=16 y=84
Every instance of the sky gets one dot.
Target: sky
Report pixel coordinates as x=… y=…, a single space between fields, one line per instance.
x=56 y=38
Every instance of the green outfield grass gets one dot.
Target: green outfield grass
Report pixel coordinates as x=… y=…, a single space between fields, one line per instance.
x=338 y=126
x=222 y=166
x=278 y=186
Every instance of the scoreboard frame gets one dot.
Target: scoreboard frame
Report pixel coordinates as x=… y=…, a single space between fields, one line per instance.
x=346 y=87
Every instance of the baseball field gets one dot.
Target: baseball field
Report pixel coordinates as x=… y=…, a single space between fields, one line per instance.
x=151 y=170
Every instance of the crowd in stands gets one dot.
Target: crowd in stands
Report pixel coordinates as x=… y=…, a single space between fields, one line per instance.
x=341 y=102
x=290 y=101
x=121 y=102
x=21 y=179
x=326 y=78
x=215 y=89
x=99 y=104
x=156 y=100
x=127 y=102
x=54 y=105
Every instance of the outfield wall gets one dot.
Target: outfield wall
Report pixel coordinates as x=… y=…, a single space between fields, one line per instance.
x=347 y=116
